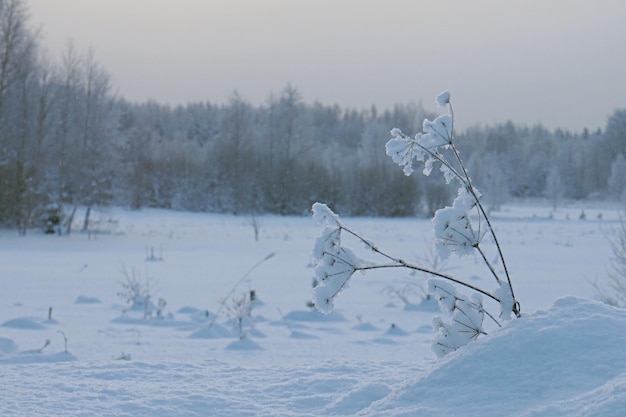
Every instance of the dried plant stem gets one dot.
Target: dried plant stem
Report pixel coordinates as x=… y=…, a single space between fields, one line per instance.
x=232 y=290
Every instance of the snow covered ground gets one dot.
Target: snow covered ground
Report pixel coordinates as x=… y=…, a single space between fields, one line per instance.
x=371 y=357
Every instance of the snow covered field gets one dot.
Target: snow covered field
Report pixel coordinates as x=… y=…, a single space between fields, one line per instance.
x=370 y=357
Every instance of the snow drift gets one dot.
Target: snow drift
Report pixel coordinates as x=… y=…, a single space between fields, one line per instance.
x=566 y=361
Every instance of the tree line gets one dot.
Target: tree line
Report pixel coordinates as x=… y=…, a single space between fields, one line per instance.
x=67 y=141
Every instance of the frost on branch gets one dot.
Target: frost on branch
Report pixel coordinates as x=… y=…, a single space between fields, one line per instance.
x=403 y=150
x=453 y=227
x=334 y=263
x=324 y=216
x=426 y=146
x=437 y=132
x=443 y=99
x=507 y=302
x=465 y=320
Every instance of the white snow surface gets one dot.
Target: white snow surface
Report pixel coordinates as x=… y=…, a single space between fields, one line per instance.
x=370 y=357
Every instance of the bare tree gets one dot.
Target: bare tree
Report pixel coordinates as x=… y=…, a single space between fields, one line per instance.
x=617 y=179
x=554 y=187
x=66 y=131
x=95 y=142
x=16 y=43
x=84 y=138
x=18 y=82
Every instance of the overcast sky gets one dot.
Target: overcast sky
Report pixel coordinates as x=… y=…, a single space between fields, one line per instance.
x=561 y=63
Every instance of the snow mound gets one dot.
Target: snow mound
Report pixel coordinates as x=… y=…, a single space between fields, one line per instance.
x=7 y=346
x=244 y=344
x=34 y=357
x=211 y=332
x=568 y=360
x=83 y=299
x=189 y=310
x=365 y=327
x=295 y=334
x=24 y=323
x=395 y=331
x=314 y=316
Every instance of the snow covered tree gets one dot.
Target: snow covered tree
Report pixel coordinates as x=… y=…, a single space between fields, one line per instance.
x=617 y=180
x=233 y=151
x=554 y=187
x=83 y=146
x=18 y=77
x=66 y=129
x=495 y=181
x=459 y=229
x=95 y=146
x=615 y=133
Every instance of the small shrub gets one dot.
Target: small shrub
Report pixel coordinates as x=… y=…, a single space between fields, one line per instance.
x=256 y=222
x=138 y=294
x=239 y=309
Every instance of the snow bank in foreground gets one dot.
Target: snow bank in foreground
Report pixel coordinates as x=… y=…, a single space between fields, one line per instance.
x=566 y=361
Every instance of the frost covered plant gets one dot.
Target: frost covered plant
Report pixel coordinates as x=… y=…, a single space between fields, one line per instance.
x=459 y=229
x=240 y=311
x=138 y=294
x=466 y=318
x=240 y=307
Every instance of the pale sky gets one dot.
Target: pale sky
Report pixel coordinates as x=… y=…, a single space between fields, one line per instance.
x=561 y=63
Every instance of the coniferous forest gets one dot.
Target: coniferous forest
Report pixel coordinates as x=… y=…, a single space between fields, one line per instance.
x=67 y=141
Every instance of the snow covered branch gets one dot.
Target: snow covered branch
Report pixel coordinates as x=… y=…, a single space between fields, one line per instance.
x=454 y=230
x=458 y=229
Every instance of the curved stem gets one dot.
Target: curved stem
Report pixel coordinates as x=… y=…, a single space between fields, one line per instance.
x=471 y=189
x=495 y=239
x=493 y=272
x=467 y=182
x=452 y=117
x=400 y=263
x=492 y=317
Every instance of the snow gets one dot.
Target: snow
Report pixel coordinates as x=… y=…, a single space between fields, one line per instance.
x=541 y=365
x=369 y=357
x=443 y=99
x=453 y=227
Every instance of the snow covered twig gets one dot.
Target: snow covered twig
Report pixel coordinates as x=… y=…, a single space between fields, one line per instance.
x=458 y=229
